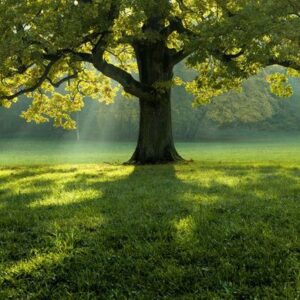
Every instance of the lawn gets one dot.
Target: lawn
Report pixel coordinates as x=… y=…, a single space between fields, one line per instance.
x=263 y=149
x=76 y=224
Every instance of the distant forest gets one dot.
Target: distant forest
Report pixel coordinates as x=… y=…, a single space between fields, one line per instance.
x=252 y=111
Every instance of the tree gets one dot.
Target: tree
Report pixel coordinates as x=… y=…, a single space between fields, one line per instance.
x=84 y=44
x=255 y=103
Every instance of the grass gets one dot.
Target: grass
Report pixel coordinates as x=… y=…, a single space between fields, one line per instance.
x=223 y=227
x=15 y=152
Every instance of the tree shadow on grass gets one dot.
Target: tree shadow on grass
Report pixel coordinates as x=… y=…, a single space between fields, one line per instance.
x=156 y=232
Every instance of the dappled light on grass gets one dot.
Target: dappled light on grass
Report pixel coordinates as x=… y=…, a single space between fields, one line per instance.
x=185 y=229
x=209 y=229
x=59 y=185
x=35 y=263
x=65 y=198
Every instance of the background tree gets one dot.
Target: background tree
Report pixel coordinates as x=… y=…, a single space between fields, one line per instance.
x=48 y=44
x=255 y=103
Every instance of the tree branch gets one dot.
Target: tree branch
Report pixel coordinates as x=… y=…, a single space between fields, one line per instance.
x=82 y=55
x=129 y=84
x=33 y=87
x=61 y=81
x=227 y=57
x=179 y=56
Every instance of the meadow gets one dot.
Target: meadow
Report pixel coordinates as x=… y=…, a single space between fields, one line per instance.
x=77 y=224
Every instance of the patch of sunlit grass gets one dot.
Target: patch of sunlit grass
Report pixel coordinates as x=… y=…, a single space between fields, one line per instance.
x=59 y=197
x=35 y=263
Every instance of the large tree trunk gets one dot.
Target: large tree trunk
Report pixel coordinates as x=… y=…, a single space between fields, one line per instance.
x=155 y=142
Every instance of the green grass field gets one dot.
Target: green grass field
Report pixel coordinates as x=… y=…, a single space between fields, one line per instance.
x=274 y=149
x=76 y=224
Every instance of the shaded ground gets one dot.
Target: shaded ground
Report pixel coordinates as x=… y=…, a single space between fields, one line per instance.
x=198 y=230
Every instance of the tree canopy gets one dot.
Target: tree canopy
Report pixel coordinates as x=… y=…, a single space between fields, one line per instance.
x=47 y=43
x=85 y=45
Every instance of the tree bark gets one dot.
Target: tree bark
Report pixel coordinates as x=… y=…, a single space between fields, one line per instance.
x=155 y=141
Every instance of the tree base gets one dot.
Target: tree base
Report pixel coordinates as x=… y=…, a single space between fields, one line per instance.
x=141 y=157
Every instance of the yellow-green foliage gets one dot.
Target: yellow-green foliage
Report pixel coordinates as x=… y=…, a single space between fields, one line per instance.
x=43 y=43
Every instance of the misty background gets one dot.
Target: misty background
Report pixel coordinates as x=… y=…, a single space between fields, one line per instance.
x=254 y=112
